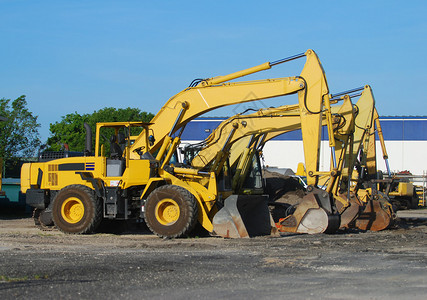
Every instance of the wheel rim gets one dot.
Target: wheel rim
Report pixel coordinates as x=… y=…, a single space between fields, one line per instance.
x=72 y=210
x=167 y=212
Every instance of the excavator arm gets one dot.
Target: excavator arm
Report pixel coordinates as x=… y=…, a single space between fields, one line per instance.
x=371 y=153
x=217 y=145
x=219 y=92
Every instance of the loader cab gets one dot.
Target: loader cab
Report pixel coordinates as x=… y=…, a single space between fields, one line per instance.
x=113 y=141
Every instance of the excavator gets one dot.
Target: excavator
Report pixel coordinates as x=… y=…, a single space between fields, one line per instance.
x=212 y=154
x=135 y=180
x=239 y=139
x=229 y=139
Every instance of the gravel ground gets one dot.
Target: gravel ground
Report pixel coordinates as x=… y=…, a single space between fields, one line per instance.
x=35 y=264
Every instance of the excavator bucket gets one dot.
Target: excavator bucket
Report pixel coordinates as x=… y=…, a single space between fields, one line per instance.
x=312 y=215
x=349 y=213
x=377 y=215
x=374 y=214
x=244 y=216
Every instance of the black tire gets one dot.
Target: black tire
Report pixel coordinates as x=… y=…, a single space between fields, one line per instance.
x=77 y=210
x=171 y=211
x=43 y=219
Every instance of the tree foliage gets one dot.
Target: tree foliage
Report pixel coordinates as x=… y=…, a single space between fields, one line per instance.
x=70 y=130
x=19 y=136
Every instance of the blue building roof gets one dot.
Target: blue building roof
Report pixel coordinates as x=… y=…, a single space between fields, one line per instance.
x=395 y=128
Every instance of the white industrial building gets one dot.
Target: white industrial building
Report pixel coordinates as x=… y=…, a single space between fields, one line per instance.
x=405 y=139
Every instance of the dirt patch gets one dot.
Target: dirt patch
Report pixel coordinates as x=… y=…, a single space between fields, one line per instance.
x=390 y=264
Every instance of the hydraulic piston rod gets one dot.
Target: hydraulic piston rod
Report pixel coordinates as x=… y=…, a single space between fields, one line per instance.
x=262 y=67
x=287 y=59
x=333 y=96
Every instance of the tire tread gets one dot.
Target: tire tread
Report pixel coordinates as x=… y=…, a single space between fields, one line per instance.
x=192 y=208
x=97 y=205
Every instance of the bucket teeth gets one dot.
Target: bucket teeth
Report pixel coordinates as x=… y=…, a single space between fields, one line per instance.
x=310 y=216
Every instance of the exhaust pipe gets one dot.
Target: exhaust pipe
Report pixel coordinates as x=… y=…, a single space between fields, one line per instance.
x=88 y=147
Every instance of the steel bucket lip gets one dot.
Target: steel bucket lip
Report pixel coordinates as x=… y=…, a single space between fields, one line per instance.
x=244 y=216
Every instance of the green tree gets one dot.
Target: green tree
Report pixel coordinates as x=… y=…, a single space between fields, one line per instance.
x=70 y=129
x=19 y=136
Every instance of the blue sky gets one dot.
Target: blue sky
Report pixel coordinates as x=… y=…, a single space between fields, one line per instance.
x=81 y=56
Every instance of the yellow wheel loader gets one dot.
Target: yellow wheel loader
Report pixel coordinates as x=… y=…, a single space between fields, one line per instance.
x=135 y=180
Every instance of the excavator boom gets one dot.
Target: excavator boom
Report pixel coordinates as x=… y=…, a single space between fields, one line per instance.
x=231 y=130
x=218 y=92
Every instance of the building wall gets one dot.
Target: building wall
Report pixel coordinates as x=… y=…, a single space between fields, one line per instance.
x=408 y=155
x=405 y=139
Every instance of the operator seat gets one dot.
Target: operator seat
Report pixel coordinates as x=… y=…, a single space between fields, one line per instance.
x=121 y=140
x=115 y=164
x=115 y=149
